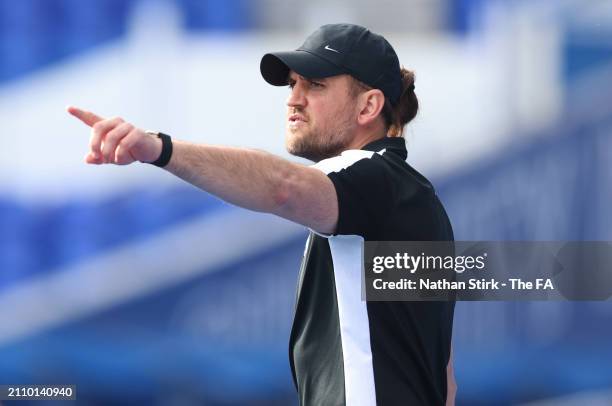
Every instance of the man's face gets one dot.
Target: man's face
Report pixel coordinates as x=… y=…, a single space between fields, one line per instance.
x=321 y=116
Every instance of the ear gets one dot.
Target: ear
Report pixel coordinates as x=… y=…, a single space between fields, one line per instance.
x=370 y=104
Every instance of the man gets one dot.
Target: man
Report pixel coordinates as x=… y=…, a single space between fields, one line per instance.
x=347 y=107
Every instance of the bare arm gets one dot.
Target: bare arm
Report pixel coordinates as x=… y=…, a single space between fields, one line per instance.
x=259 y=181
x=252 y=179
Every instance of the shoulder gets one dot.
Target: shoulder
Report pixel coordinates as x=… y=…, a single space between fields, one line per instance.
x=381 y=165
x=343 y=161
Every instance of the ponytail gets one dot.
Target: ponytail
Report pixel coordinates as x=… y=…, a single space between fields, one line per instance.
x=396 y=117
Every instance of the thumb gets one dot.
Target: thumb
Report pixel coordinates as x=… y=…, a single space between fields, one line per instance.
x=85 y=116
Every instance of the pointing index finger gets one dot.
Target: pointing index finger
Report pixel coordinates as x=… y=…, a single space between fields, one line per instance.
x=85 y=116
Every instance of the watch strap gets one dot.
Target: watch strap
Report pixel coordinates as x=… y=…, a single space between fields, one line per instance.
x=166 y=152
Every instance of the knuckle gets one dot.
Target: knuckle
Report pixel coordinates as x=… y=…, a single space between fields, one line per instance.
x=114 y=134
x=110 y=138
x=123 y=146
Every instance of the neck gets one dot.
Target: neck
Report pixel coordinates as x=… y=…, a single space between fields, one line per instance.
x=365 y=138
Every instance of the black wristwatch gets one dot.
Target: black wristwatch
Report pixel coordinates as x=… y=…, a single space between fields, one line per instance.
x=166 y=152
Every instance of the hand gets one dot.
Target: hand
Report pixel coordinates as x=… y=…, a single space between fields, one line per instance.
x=115 y=141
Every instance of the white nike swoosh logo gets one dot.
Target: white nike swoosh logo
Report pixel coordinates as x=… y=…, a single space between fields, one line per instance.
x=331 y=49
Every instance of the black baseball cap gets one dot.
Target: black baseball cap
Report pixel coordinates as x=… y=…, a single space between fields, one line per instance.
x=335 y=49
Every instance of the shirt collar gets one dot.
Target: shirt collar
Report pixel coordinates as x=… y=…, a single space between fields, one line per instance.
x=396 y=145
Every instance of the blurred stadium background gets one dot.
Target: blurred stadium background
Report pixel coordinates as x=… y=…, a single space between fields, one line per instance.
x=140 y=289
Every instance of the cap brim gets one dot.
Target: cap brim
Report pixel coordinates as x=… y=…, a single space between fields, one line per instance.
x=275 y=66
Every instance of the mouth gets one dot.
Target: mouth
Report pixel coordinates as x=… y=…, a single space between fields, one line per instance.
x=296 y=118
x=295 y=121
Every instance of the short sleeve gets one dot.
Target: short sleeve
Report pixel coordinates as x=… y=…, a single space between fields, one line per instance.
x=365 y=190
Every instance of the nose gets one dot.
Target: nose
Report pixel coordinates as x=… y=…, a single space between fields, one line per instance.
x=297 y=97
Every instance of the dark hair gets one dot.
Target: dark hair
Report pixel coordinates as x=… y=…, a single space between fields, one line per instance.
x=396 y=117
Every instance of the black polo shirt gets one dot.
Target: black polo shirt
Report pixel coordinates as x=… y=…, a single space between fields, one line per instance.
x=345 y=351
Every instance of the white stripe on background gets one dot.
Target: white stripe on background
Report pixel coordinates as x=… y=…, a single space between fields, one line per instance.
x=591 y=398
x=143 y=267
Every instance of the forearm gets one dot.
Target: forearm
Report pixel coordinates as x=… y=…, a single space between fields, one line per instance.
x=252 y=179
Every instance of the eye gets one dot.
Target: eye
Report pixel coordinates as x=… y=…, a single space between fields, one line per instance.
x=291 y=84
x=315 y=84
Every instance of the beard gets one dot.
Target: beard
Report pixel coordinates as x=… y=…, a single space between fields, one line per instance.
x=319 y=144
